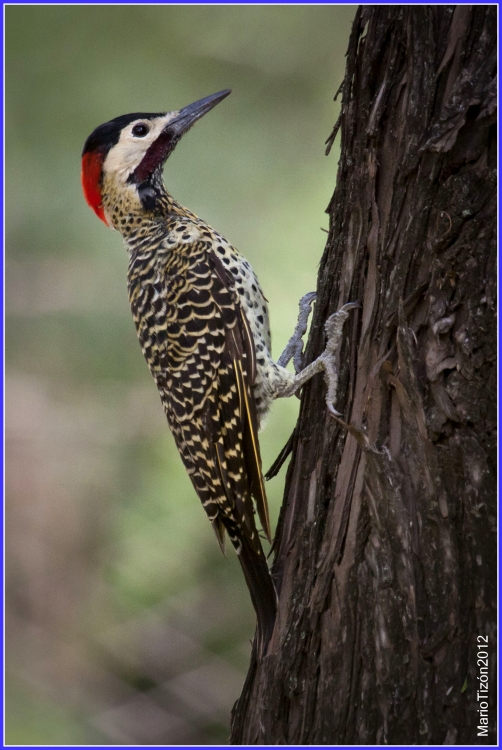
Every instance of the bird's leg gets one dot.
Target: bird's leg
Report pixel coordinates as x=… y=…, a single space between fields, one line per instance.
x=294 y=347
x=328 y=360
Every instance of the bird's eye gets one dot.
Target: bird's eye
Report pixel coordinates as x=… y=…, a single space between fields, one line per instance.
x=140 y=130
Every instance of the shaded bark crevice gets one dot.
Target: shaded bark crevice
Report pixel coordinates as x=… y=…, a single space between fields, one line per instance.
x=385 y=554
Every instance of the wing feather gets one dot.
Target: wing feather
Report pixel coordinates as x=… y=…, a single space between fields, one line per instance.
x=200 y=350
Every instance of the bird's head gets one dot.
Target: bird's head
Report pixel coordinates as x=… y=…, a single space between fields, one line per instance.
x=123 y=158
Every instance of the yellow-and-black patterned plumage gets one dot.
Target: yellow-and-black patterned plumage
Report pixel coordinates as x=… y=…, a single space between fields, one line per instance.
x=202 y=322
x=200 y=349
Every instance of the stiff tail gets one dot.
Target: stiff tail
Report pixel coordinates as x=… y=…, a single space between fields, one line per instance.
x=261 y=588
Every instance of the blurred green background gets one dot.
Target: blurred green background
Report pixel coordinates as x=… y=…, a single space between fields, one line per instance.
x=125 y=625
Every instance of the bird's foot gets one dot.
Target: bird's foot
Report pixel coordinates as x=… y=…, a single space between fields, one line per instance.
x=294 y=347
x=331 y=354
x=328 y=361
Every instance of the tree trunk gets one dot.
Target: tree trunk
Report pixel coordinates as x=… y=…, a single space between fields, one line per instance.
x=386 y=547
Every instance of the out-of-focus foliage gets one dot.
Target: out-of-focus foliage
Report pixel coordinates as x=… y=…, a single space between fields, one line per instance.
x=124 y=622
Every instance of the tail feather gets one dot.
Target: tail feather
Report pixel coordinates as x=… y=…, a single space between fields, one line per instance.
x=261 y=589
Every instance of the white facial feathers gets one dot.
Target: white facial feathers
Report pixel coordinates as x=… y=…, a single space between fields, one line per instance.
x=127 y=154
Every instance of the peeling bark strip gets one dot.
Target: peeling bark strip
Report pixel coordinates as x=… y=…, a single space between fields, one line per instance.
x=386 y=549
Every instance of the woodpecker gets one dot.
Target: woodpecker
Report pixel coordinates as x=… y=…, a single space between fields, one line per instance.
x=203 y=325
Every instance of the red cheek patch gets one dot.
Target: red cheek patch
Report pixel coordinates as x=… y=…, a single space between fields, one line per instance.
x=92 y=164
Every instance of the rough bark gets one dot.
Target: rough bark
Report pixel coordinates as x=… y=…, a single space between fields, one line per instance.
x=386 y=548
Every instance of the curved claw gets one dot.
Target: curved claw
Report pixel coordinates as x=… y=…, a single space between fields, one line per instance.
x=350 y=306
x=338 y=318
x=332 y=410
x=308 y=298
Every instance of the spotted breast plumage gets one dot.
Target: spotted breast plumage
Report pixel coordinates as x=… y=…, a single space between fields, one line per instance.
x=199 y=345
x=202 y=322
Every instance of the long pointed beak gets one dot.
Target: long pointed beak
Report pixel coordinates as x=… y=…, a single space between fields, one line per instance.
x=165 y=143
x=193 y=112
